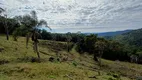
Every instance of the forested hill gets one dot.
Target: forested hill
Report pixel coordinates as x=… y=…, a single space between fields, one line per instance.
x=133 y=37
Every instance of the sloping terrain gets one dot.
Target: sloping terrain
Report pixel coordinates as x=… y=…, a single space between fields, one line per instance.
x=131 y=38
x=19 y=63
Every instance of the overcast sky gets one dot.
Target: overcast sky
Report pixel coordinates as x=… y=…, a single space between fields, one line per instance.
x=81 y=15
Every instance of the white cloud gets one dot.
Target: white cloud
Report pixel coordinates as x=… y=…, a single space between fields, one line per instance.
x=77 y=14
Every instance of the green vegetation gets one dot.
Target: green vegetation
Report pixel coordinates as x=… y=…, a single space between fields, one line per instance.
x=131 y=38
x=18 y=62
x=132 y=42
x=112 y=50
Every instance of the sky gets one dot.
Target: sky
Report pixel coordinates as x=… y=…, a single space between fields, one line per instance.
x=81 y=15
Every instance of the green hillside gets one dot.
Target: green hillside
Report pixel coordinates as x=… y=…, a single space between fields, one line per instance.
x=19 y=63
x=132 y=38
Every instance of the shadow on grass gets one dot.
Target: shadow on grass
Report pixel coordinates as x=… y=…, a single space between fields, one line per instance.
x=3 y=62
x=45 y=53
x=30 y=59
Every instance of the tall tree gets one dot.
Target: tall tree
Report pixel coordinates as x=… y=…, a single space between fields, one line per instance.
x=31 y=25
x=3 y=13
x=1 y=10
x=69 y=38
x=100 y=46
x=6 y=27
x=90 y=41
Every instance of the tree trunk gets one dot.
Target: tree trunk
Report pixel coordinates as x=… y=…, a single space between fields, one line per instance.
x=36 y=49
x=68 y=46
x=100 y=62
x=6 y=29
x=7 y=33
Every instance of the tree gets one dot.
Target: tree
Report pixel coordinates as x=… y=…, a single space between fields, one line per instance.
x=117 y=50
x=17 y=32
x=5 y=22
x=6 y=28
x=100 y=46
x=86 y=43
x=46 y=35
x=31 y=25
x=1 y=10
x=90 y=42
x=69 y=38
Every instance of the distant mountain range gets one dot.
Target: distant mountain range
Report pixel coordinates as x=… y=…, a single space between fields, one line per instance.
x=104 y=34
